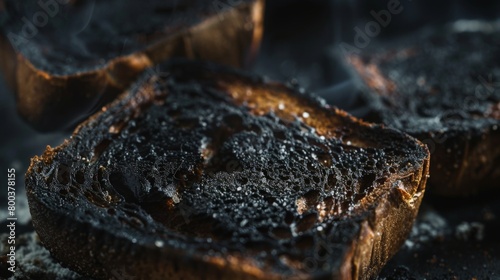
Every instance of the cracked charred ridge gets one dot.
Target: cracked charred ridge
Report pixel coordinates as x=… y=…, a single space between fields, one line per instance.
x=378 y=236
x=211 y=165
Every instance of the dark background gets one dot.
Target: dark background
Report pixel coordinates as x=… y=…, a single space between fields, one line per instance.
x=452 y=238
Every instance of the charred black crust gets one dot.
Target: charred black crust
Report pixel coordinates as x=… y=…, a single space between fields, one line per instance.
x=177 y=174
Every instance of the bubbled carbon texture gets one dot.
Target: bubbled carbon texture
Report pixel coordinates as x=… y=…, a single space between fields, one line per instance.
x=200 y=171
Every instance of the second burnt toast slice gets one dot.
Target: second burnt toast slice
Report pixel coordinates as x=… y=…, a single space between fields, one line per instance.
x=201 y=171
x=442 y=88
x=65 y=59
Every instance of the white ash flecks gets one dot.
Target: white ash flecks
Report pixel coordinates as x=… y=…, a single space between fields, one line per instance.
x=33 y=261
x=429 y=226
x=470 y=231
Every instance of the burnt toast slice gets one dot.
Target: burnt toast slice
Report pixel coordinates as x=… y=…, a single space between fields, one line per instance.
x=441 y=88
x=65 y=59
x=202 y=171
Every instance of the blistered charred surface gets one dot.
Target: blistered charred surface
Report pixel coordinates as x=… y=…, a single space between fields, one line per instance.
x=442 y=89
x=86 y=52
x=198 y=166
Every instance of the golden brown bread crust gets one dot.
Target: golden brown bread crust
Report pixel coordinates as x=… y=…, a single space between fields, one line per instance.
x=50 y=101
x=365 y=232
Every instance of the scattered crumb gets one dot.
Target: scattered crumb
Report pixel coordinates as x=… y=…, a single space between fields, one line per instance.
x=34 y=261
x=409 y=244
x=470 y=231
x=433 y=260
x=430 y=226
